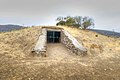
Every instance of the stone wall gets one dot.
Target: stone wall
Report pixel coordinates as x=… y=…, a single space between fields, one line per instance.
x=41 y=45
x=72 y=44
x=66 y=38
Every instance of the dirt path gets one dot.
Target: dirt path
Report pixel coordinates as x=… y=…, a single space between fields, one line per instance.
x=60 y=64
x=58 y=51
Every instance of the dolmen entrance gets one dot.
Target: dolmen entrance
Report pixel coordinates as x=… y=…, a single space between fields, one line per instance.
x=57 y=35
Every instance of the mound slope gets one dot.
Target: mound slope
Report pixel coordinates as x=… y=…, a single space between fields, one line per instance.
x=16 y=63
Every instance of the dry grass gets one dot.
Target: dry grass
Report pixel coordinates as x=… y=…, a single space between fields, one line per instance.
x=18 y=44
x=106 y=46
x=101 y=63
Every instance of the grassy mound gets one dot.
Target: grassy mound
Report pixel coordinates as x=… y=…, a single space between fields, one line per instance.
x=18 y=44
x=97 y=44
x=101 y=63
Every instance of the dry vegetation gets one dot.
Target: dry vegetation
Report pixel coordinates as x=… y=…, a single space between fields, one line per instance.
x=16 y=63
x=96 y=43
x=18 y=44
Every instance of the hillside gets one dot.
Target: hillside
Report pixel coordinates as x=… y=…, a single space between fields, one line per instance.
x=99 y=43
x=18 y=44
x=17 y=62
x=10 y=27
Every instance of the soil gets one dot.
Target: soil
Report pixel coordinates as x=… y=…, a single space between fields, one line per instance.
x=102 y=61
x=60 y=64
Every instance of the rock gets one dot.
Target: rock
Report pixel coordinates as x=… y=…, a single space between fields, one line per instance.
x=71 y=43
x=40 y=46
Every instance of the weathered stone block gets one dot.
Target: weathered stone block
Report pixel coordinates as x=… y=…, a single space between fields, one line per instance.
x=72 y=44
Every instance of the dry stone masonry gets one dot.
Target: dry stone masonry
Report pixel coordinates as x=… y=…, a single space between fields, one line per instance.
x=72 y=44
x=66 y=38
x=40 y=47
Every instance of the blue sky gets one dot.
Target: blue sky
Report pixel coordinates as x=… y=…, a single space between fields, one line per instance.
x=106 y=13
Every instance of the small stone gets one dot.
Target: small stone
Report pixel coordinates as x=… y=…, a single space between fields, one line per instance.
x=111 y=69
x=105 y=69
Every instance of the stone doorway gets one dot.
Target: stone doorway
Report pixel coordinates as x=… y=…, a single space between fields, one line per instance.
x=53 y=36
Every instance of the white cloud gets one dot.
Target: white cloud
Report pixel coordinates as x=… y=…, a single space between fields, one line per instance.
x=105 y=12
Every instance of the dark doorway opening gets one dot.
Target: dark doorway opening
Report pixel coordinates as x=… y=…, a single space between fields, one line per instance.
x=53 y=36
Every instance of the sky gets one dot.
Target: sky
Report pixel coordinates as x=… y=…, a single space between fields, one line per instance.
x=106 y=13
